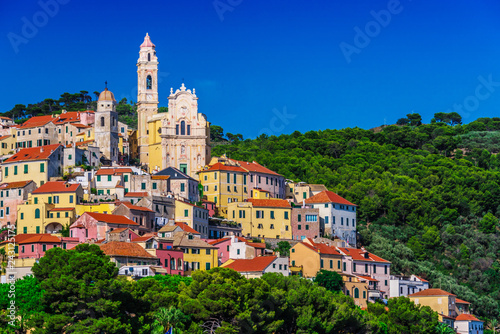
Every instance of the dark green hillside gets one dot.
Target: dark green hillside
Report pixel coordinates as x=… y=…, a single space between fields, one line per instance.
x=429 y=208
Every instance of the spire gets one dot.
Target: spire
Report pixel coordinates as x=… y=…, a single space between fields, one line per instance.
x=147 y=42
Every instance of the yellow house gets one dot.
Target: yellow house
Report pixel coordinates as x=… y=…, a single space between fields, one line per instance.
x=7 y=144
x=87 y=134
x=49 y=208
x=192 y=215
x=133 y=146
x=311 y=257
x=198 y=254
x=35 y=163
x=439 y=300
x=260 y=194
x=357 y=288
x=262 y=217
x=102 y=207
x=224 y=185
x=155 y=149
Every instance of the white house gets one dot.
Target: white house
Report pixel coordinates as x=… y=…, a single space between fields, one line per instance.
x=337 y=215
x=404 y=286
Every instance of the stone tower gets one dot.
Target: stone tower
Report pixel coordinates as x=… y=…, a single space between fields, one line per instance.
x=147 y=94
x=106 y=126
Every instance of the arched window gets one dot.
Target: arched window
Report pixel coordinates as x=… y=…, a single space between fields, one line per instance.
x=356 y=293
x=183 y=128
x=102 y=121
x=148 y=82
x=179 y=264
x=149 y=56
x=37 y=213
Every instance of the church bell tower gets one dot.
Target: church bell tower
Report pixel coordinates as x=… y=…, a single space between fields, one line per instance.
x=147 y=94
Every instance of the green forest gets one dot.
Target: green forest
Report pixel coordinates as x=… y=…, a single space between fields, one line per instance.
x=78 y=291
x=428 y=194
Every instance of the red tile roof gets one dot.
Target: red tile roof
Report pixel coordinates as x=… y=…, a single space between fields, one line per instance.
x=218 y=241
x=145 y=237
x=129 y=249
x=460 y=301
x=11 y=185
x=62 y=209
x=160 y=177
x=113 y=171
x=57 y=187
x=328 y=197
x=273 y=203
x=118 y=230
x=368 y=278
x=321 y=248
x=137 y=194
x=431 y=292
x=359 y=255
x=111 y=219
x=81 y=126
x=420 y=278
x=135 y=207
x=40 y=238
x=67 y=117
x=466 y=317
x=36 y=122
x=4 y=137
x=255 y=167
x=20 y=238
x=219 y=166
x=85 y=142
x=186 y=228
x=6 y=118
x=34 y=153
x=257 y=264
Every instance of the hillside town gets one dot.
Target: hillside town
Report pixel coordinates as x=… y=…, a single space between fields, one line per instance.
x=70 y=178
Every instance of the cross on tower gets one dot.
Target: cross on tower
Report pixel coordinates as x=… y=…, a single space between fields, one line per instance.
x=106 y=84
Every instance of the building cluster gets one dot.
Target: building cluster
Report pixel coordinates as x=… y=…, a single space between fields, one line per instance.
x=69 y=179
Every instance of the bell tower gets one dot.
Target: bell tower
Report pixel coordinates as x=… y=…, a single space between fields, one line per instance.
x=147 y=94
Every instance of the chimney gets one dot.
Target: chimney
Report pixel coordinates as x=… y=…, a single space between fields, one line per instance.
x=41 y=149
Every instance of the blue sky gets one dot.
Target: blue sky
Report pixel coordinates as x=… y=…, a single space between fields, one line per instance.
x=264 y=66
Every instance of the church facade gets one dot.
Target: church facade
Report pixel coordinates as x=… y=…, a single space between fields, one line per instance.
x=178 y=138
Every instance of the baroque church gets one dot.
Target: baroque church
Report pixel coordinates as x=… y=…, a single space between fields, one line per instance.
x=178 y=138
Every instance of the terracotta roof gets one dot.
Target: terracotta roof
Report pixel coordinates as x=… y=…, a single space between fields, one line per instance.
x=181 y=239
x=36 y=122
x=219 y=166
x=34 y=153
x=135 y=207
x=137 y=194
x=7 y=118
x=359 y=255
x=257 y=264
x=106 y=95
x=21 y=238
x=186 y=228
x=11 y=185
x=218 y=241
x=169 y=228
x=466 y=317
x=256 y=244
x=460 y=301
x=62 y=209
x=81 y=126
x=160 y=177
x=255 y=167
x=34 y=238
x=143 y=238
x=67 y=117
x=119 y=230
x=190 y=204
x=113 y=171
x=368 y=278
x=328 y=197
x=274 y=203
x=129 y=249
x=420 y=278
x=85 y=142
x=57 y=187
x=431 y=292
x=4 y=137
x=111 y=219
x=321 y=248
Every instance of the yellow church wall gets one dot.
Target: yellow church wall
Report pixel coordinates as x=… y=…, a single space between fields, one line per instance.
x=106 y=207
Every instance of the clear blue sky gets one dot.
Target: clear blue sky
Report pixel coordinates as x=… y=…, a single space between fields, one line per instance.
x=248 y=58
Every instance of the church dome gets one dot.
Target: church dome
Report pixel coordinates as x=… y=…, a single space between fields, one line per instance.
x=106 y=95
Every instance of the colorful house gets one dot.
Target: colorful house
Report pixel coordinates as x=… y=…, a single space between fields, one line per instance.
x=192 y=215
x=144 y=217
x=37 y=163
x=305 y=223
x=49 y=208
x=468 y=324
x=262 y=217
x=131 y=259
x=112 y=181
x=11 y=195
x=312 y=257
x=181 y=184
x=256 y=267
x=198 y=254
x=439 y=300
x=93 y=226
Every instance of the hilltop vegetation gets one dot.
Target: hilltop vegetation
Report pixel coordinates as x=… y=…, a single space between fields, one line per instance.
x=424 y=204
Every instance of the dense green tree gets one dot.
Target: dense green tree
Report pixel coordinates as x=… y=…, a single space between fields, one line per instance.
x=330 y=280
x=283 y=248
x=489 y=223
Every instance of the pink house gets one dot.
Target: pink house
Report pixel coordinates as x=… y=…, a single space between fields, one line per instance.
x=210 y=206
x=95 y=226
x=170 y=259
x=35 y=245
x=11 y=195
x=223 y=246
